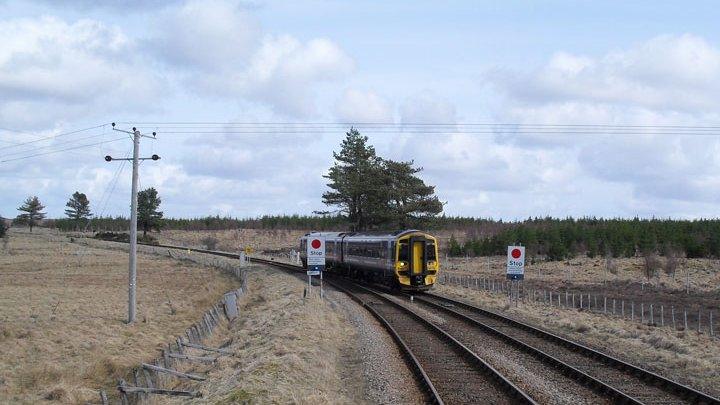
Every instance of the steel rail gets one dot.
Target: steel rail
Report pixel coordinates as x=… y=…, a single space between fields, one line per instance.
x=685 y=392
x=506 y=385
x=578 y=375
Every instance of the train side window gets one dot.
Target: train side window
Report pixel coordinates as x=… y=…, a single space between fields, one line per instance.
x=404 y=255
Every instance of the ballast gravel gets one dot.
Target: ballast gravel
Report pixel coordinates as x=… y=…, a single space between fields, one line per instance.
x=388 y=380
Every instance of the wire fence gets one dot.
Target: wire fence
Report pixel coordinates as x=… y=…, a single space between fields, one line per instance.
x=656 y=314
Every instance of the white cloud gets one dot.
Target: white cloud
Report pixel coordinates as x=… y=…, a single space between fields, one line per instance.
x=667 y=80
x=225 y=53
x=59 y=68
x=677 y=73
x=359 y=106
x=427 y=107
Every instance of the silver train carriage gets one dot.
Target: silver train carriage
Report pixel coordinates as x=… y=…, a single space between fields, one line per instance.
x=405 y=259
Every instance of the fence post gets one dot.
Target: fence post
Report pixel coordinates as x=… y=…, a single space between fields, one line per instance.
x=595 y=299
x=685 y=316
x=699 y=319
x=662 y=315
x=573 y=300
x=605 y=305
x=613 y=306
x=632 y=310
x=581 y=295
x=622 y=308
x=672 y=315
x=712 y=333
x=566 y=299
x=559 y=300
x=652 y=316
x=642 y=312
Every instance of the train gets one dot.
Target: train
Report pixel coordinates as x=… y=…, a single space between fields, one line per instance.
x=405 y=260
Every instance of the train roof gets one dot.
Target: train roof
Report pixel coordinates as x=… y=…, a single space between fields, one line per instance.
x=372 y=234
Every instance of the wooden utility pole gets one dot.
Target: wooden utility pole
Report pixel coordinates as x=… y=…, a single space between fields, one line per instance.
x=132 y=263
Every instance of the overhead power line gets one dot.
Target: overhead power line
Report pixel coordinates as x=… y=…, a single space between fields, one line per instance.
x=46 y=137
x=62 y=150
x=267 y=128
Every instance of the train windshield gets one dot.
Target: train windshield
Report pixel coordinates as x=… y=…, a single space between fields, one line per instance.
x=404 y=255
x=430 y=247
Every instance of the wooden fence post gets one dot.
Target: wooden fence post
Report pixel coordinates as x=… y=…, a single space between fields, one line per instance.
x=672 y=315
x=613 y=306
x=632 y=311
x=712 y=332
x=662 y=315
x=642 y=312
x=699 y=319
x=604 y=304
x=685 y=316
x=652 y=315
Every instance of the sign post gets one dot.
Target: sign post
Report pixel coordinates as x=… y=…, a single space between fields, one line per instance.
x=315 y=259
x=515 y=269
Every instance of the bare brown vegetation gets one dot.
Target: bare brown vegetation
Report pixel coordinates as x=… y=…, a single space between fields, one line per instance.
x=62 y=312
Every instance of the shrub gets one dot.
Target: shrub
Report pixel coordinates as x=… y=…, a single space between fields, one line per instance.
x=3 y=228
x=210 y=242
x=651 y=265
x=124 y=237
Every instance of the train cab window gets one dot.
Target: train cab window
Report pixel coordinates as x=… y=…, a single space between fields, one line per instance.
x=430 y=248
x=404 y=255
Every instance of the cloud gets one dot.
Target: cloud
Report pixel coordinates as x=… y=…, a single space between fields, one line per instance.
x=358 y=106
x=225 y=53
x=667 y=80
x=59 y=68
x=677 y=73
x=427 y=107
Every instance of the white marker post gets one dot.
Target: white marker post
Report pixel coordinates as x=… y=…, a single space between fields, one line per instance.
x=315 y=259
x=515 y=266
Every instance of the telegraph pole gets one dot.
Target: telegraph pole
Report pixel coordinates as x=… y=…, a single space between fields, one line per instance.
x=132 y=266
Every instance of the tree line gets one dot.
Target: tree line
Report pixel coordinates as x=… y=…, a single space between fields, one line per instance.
x=559 y=239
x=79 y=217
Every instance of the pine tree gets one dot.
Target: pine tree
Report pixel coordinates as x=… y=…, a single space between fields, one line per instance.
x=148 y=215
x=410 y=202
x=32 y=209
x=78 y=208
x=356 y=181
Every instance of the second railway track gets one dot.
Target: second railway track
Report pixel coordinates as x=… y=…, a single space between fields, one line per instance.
x=618 y=380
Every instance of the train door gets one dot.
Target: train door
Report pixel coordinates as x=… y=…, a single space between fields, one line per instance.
x=418 y=260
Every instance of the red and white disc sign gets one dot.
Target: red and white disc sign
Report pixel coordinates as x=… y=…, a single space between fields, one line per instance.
x=516 y=261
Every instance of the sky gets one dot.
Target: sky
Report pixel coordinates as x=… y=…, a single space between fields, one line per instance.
x=80 y=65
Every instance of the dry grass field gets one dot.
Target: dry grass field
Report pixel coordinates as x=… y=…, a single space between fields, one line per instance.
x=287 y=350
x=260 y=240
x=685 y=356
x=62 y=312
x=704 y=274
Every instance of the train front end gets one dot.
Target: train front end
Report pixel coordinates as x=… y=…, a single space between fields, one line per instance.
x=416 y=260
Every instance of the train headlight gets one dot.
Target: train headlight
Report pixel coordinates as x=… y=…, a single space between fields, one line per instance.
x=403 y=265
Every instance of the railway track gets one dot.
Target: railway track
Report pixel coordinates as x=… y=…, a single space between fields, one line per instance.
x=451 y=372
x=615 y=378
